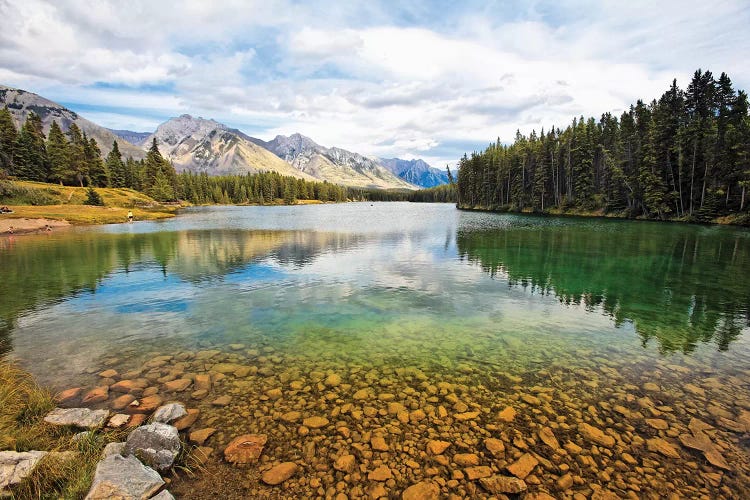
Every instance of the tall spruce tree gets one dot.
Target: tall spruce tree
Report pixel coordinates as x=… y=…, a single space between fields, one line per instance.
x=8 y=136
x=58 y=155
x=116 y=168
x=29 y=154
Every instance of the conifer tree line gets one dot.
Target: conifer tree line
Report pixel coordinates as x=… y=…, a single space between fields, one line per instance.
x=261 y=188
x=683 y=156
x=72 y=158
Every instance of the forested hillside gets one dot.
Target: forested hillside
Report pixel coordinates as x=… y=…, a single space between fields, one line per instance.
x=684 y=156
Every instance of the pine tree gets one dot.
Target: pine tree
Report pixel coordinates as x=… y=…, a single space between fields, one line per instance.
x=8 y=136
x=30 y=155
x=98 y=175
x=116 y=168
x=77 y=155
x=59 y=155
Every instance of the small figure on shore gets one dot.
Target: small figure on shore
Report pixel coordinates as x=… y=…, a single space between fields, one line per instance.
x=130 y=216
x=47 y=228
x=10 y=229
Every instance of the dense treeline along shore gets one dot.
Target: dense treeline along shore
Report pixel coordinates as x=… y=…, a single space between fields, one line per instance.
x=685 y=156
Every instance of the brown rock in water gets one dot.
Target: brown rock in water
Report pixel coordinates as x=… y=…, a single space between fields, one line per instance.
x=200 y=436
x=424 y=490
x=658 y=423
x=122 y=401
x=650 y=387
x=291 y=416
x=145 y=405
x=716 y=459
x=188 y=420
x=548 y=438
x=565 y=482
x=68 y=395
x=202 y=382
x=697 y=426
x=466 y=459
x=279 y=473
x=698 y=441
x=532 y=400
x=437 y=447
x=469 y=415
x=178 y=385
x=136 y=420
x=345 y=463
x=503 y=484
x=126 y=386
x=596 y=435
x=333 y=380
x=274 y=393
x=507 y=415
x=245 y=449
x=382 y=473
x=523 y=466
x=378 y=444
x=477 y=472
x=658 y=445
x=96 y=395
x=108 y=373
x=222 y=401
x=315 y=422
x=495 y=446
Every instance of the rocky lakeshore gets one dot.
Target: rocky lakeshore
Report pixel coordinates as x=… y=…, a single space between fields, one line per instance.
x=269 y=424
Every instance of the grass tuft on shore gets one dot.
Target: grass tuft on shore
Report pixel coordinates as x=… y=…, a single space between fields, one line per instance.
x=23 y=405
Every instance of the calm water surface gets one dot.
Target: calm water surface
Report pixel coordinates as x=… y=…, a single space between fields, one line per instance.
x=579 y=314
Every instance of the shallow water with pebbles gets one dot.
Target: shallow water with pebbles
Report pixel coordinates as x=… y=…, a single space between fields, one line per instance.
x=382 y=347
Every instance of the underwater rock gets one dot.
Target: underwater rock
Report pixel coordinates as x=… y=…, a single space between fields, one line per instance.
x=155 y=444
x=83 y=418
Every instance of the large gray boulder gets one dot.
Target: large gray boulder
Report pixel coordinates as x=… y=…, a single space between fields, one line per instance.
x=168 y=413
x=78 y=417
x=16 y=466
x=155 y=444
x=124 y=478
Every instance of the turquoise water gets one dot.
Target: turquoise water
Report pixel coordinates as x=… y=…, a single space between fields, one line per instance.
x=505 y=302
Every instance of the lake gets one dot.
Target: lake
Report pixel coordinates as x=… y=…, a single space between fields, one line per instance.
x=626 y=342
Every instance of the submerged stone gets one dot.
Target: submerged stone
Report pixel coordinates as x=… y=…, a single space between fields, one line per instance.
x=424 y=490
x=167 y=413
x=245 y=449
x=503 y=484
x=78 y=417
x=523 y=466
x=279 y=473
x=155 y=444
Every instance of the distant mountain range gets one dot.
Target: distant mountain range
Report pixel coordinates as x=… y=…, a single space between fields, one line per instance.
x=197 y=144
x=416 y=172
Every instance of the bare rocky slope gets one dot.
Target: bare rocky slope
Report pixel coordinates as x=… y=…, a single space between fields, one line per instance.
x=200 y=145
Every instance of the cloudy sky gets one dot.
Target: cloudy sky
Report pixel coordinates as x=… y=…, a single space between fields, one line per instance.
x=429 y=79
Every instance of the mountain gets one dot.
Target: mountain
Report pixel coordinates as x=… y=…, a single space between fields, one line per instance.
x=21 y=103
x=197 y=145
x=136 y=138
x=417 y=172
x=335 y=165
